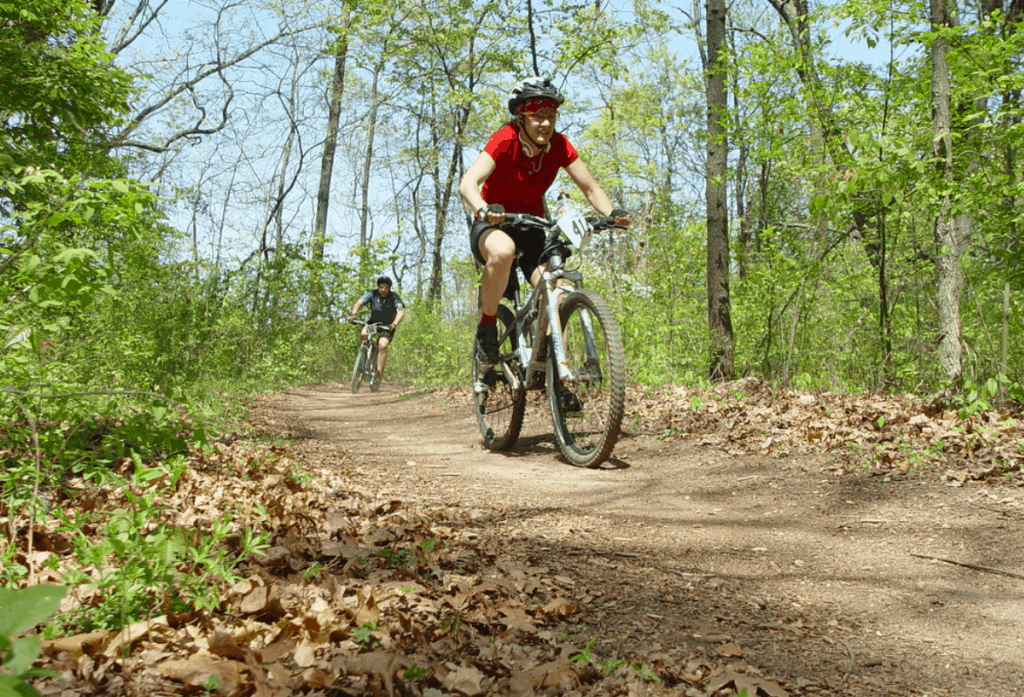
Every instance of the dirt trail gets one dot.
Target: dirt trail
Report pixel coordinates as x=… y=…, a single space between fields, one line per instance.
x=805 y=572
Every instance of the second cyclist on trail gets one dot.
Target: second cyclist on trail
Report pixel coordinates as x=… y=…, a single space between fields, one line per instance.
x=386 y=307
x=512 y=174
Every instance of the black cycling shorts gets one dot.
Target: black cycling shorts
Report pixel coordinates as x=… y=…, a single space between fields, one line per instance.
x=388 y=334
x=529 y=244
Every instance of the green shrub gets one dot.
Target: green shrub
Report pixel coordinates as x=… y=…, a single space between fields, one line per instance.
x=20 y=610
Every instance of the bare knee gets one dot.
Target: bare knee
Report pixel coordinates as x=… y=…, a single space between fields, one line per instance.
x=497 y=249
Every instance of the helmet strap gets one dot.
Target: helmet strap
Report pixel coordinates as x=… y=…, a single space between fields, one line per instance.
x=533 y=147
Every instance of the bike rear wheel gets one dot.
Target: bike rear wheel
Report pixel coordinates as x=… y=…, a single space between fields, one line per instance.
x=357 y=369
x=498 y=401
x=587 y=409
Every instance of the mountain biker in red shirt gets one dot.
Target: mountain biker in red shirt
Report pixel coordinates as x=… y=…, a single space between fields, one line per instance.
x=512 y=174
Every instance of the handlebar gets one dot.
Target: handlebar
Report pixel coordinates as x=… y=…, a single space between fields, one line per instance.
x=596 y=222
x=572 y=226
x=371 y=326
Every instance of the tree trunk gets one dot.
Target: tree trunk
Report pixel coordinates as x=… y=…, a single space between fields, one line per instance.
x=371 y=132
x=950 y=230
x=719 y=317
x=323 y=197
x=282 y=190
x=443 y=189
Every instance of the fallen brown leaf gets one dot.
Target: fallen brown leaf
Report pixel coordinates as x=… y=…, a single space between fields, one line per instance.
x=381 y=665
x=201 y=670
x=465 y=680
x=76 y=645
x=753 y=685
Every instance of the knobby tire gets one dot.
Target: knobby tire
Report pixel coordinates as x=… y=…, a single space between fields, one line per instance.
x=498 y=406
x=357 y=369
x=587 y=412
x=372 y=368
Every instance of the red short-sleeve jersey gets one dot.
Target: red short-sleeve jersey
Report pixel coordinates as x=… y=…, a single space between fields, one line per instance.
x=519 y=182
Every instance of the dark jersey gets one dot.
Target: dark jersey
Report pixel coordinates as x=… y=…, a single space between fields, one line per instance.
x=382 y=310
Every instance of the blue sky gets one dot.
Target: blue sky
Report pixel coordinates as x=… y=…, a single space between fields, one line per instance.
x=172 y=33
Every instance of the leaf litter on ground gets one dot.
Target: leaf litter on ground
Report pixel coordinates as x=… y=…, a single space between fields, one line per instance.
x=362 y=595
x=354 y=595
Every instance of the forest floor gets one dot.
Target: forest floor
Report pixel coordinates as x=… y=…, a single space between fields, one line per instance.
x=788 y=543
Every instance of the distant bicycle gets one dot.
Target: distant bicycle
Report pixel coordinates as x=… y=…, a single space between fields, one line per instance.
x=365 y=367
x=564 y=339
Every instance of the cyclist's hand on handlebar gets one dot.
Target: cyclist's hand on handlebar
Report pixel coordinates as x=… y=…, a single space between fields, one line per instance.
x=618 y=219
x=493 y=213
x=352 y=320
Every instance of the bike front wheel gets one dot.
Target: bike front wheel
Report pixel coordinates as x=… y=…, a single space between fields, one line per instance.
x=499 y=397
x=372 y=369
x=587 y=408
x=358 y=369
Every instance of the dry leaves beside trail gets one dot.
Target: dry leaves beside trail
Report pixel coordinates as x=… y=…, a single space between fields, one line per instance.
x=884 y=434
x=405 y=560
x=356 y=595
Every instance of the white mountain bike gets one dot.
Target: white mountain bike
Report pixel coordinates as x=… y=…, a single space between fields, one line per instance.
x=563 y=339
x=365 y=367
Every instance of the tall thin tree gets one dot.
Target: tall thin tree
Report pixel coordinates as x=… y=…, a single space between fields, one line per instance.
x=719 y=314
x=949 y=227
x=323 y=196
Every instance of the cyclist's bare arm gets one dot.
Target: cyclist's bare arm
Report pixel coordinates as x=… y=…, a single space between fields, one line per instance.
x=597 y=197
x=472 y=180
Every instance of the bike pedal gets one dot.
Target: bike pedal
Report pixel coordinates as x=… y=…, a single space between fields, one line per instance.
x=569 y=402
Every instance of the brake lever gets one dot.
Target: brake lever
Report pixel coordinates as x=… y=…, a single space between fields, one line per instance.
x=604 y=222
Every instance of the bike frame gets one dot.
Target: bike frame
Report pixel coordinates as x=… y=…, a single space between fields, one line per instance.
x=585 y=401
x=548 y=332
x=371 y=355
x=372 y=347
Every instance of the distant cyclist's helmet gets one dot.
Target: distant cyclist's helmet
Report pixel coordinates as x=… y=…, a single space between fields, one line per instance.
x=533 y=88
x=386 y=280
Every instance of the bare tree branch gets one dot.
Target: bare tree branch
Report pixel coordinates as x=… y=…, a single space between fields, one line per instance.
x=126 y=36
x=123 y=140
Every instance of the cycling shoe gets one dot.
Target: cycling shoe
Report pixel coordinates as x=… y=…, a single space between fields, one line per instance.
x=487 y=344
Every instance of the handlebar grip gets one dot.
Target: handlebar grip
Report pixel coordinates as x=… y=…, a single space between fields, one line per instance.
x=600 y=222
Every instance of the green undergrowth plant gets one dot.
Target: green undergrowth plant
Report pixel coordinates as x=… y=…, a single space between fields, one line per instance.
x=431 y=350
x=612 y=665
x=90 y=443
x=131 y=554
x=410 y=554
x=414 y=673
x=21 y=610
x=366 y=636
x=139 y=564
x=979 y=397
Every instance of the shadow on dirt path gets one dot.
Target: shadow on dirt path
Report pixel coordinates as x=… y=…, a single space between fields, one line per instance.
x=781 y=562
